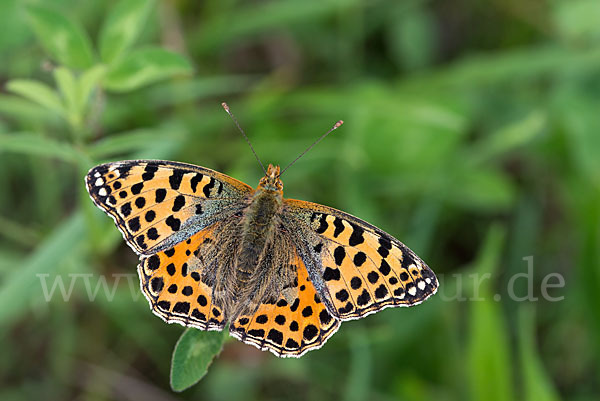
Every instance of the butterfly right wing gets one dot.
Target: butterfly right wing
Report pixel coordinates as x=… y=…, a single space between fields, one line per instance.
x=156 y=204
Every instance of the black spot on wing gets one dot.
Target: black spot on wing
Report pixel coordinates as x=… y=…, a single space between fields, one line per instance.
x=126 y=209
x=339 y=227
x=363 y=299
x=310 y=332
x=360 y=258
x=331 y=274
x=195 y=180
x=175 y=178
x=153 y=262
x=137 y=188
x=140 y=202
x=157 y=284
x=160 y=195
x=384 y=247
x=124 y=171
x=150 y=216
x=276 y=336
x=339 y=254
x=173 y=222
x=149 y=171
x=182 y=307
x=322 y=224
x=178 y=203
x=357 y=235
x=208 y=187
x=134 y=224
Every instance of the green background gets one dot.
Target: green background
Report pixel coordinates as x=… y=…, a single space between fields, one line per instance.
x=472 y=134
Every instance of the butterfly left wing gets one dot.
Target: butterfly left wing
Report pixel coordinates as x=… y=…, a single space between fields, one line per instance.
x=359 y=268
x=156 y=204
x=171 y=281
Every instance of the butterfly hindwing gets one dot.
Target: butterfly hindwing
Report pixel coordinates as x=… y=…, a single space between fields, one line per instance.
x=172 y=282
x=156 y=204
x=296 y=322
x=361 y=268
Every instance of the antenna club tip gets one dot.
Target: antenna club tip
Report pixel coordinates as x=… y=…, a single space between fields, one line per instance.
x=338 y=124
x=225 y=106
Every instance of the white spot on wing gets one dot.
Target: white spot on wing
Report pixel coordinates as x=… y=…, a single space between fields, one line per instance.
x=421 y=285
x=99 y=182
x=413 y=291
x=102 y=192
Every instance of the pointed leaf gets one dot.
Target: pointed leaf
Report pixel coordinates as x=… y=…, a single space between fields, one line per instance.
x=86 y=84
x=489 y=366
x=144 y=67
x=122 y=27
x=22 y=286
x=62 y=38
x=37 y=92
x=65 y=81
x=536 y=383
x=34 y=144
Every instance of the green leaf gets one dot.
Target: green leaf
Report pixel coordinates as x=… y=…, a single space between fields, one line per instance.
x=412 y=36
x=536 y=383
x=482 y=188
x=509 y=137
x=37 y=145
x=86 y=84
x=577 y=19
x=23 y=284
x=489 y=366
x=37 y=92
x=193 y=354
x=62 y=38
x=122 y=27
x=15 y=106
x=68 y=87
x=126 y=142
x=143 y=67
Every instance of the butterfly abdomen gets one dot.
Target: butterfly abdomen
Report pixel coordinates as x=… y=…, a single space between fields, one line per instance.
x=259 y=221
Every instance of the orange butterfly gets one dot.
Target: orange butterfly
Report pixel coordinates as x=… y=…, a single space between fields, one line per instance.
x=281 y=274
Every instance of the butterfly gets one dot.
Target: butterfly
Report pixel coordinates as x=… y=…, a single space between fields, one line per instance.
x=279 y=274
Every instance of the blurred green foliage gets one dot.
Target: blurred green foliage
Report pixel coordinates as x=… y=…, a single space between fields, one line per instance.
x=471 y=134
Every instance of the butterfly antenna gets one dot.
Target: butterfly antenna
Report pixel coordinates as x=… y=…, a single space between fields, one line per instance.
x=335 y=126
x=226 y=107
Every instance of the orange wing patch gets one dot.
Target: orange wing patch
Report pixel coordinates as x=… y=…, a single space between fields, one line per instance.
x=171 y=281
x=291 y=326
x=153 y=200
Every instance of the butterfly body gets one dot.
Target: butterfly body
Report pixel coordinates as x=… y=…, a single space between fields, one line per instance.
x=280 y=274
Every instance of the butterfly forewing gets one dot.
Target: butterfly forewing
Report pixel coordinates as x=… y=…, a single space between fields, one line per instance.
x=156 y=204
x=361 y=268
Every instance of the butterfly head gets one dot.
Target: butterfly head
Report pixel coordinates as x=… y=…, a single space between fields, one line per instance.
x=271 y=181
